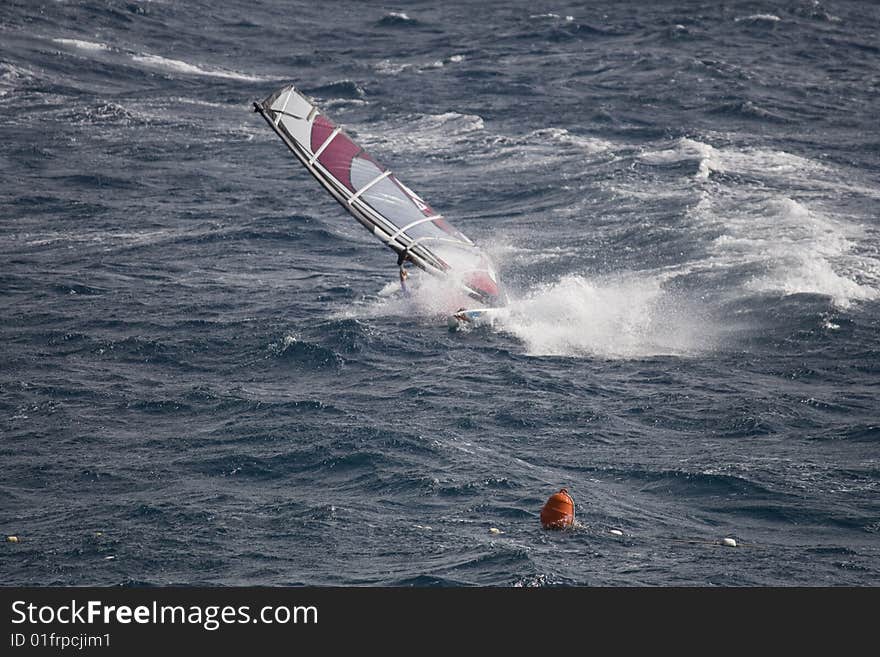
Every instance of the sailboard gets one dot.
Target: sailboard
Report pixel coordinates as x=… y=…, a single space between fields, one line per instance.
x=374 y=196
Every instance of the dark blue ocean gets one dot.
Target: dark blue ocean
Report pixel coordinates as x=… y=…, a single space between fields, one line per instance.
x=208 y=377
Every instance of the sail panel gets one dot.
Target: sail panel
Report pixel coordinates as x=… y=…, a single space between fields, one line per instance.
x=291 y=110
x=338 y=154
x=389 y=200
x=377 y=198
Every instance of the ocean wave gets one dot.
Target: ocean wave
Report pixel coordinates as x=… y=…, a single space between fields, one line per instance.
x=349 y=335
x=261 y=468
x=758 y=18
x=551 y=16
x=390 y=67
x=84 y=45
x=140 y=349
x=178 y=66
x=434 y=133
x=620 y=317
x=294 y=350
x=103 y=113
x=395 y=67
x=756 y=161
x=158 y=61
x=397 y=19
x=340 y=89
x=750 y=110
x=815 y=275
x=569 y=30
x=15 y=78
x=563 y=136
x=710 y=483
x=799 y=249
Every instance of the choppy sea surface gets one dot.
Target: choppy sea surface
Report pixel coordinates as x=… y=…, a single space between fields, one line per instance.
x=207 y=375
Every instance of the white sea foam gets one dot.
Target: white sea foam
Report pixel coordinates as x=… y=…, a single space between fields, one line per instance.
x=550 y=146
x=11 y=78
x=343 y=102
x=708 y=158
x=625 y=316
x=776 y=220
x=772 y=18
x=798 y=249
x=429 y=297
x=563 y=136
x=816 y=276
x=84 y=45
x=388 y=67
x=520 y=256
x=391 y=67
x=751 y=160
x=206 y=103
x=568 y=19
x=11 y=74
x=423 y=132
x=178 y=66
x=770 y=238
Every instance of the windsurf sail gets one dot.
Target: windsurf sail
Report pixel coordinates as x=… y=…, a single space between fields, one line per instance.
x=373 y=195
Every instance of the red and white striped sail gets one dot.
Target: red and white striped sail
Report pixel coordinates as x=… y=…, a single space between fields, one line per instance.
x=395 y=214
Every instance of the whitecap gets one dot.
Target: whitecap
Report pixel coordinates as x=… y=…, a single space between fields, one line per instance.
x=563 y=136
x=423 y=132
x=179 y=66
x=388 y=67
x=798 y=249
x=710 y=159
x=84 y=45
x=772 y=18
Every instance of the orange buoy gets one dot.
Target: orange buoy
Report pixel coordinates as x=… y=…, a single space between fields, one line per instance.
x=558 y=512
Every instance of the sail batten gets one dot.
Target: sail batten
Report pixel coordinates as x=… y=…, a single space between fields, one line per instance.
x=376 y=198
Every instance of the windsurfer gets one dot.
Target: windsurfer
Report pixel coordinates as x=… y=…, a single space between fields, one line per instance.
x=402 y=259
x=403 y=276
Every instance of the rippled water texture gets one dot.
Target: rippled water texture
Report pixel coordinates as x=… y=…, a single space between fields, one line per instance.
x=207 y=375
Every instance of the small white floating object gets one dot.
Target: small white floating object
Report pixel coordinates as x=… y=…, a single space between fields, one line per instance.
x=617 y=532
x=729 y=542
x=495 y=530
x=12 y=539
x=110 y=557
